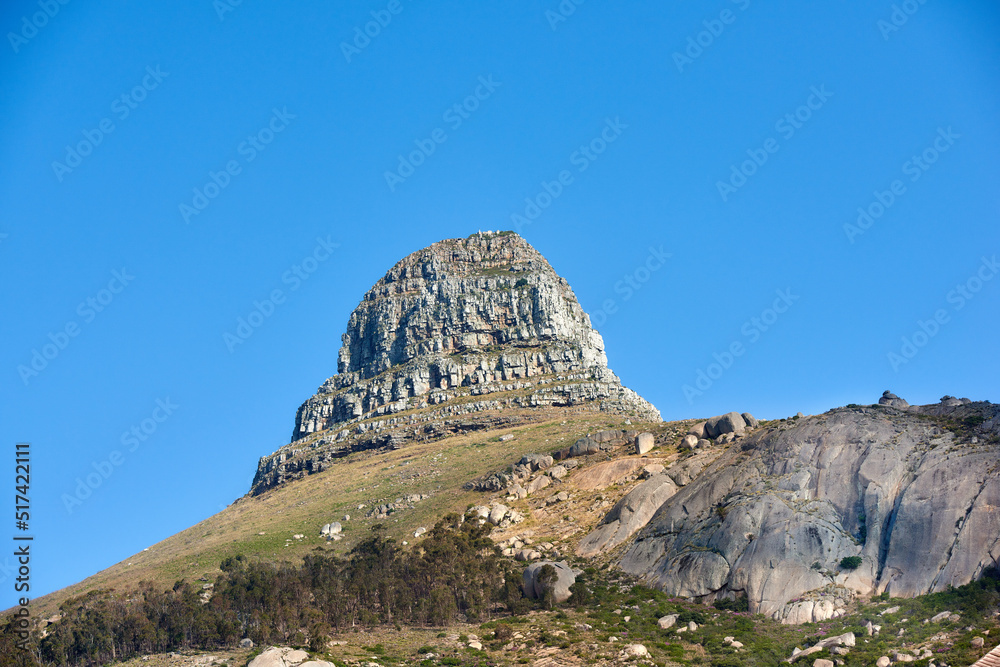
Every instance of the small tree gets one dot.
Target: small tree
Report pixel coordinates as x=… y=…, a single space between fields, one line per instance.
x=548 y=577
x=850 y=562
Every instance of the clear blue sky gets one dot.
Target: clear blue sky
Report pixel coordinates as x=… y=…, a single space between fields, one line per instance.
x=308 y=129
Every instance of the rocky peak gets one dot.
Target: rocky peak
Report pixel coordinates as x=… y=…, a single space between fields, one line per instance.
x=464 y=328
x=461 y=296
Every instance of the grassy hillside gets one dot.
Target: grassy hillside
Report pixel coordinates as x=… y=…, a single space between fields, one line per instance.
x=264 y=526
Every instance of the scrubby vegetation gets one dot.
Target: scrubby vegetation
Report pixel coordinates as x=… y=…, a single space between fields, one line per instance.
x=455 y=573
x=380 y=589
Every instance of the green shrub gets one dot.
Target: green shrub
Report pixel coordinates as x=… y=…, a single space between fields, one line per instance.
x=687 y=616
x=740 y=603
x=850 y=562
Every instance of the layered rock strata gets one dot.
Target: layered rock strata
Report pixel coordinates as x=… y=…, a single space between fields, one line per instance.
x=451 y=336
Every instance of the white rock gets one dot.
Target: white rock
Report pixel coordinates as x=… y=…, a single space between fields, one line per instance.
x=667 y=622
x=634 y=651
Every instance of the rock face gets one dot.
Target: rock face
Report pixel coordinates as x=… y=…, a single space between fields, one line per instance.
x=461 y=329
x=628 y=515
x=911 y=492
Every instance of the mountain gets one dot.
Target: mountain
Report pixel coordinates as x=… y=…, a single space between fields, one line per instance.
x=473 y=432
x=451 y=336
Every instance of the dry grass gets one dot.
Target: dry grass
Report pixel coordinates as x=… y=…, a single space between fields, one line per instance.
x=264 y=526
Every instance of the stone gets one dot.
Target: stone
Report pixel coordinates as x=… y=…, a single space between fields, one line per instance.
x=889 y=610
x=883 y=661
x=703 y=443
x=977 y=642
x=937 y=618
x=557 y=498
x=557 y=472
x=643 y=443
x=419 y=531
x=652 y=469
x=538 y=483
x=269 y=657
x=688 y=442
x=890 y=399
x=537 y=461
x=822 y=662
x=628 y=515
x=295 y=656
x=497 y=513
x=560 y=589
x=602 y=475
x=472 y=333
x=954 y=618
x=634 y=651
x=246 y=642
x=736 y=644
x=698 y=430
x=475 y=645
x=750 y=420
x=692 y=626
x=731 y=422
x=667 y=622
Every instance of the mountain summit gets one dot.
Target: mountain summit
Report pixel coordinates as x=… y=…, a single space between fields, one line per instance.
x=468 y=328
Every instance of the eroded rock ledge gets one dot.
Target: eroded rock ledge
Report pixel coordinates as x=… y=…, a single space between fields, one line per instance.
x=449 y=338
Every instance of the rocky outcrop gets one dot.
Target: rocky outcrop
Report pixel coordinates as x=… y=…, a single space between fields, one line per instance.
x=912 y=492
x=890 y=399
x=628 y=515
x=450 y=337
